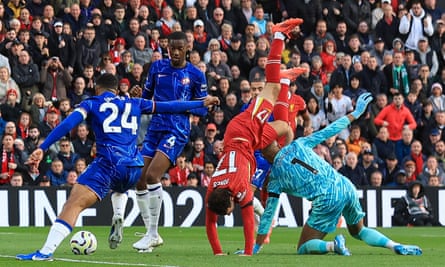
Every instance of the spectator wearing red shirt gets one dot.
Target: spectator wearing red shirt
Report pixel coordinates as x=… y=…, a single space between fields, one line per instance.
x=395 y=117
x=179 y=173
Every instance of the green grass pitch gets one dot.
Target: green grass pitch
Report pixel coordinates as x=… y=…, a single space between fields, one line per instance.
x=189 y=247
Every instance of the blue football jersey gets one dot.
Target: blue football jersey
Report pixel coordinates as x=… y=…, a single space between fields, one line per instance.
x=166 y=83
x=114 y=120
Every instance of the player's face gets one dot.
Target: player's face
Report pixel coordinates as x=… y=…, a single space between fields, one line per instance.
x=177 y=50
x=231 y=208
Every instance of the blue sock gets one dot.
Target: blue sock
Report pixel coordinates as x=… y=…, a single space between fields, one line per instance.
x=373 y=237
x=313 y=246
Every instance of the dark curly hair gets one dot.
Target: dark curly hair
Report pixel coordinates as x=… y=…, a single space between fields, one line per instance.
x=219 y=201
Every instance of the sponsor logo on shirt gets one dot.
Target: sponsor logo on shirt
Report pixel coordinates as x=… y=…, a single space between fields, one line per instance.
x=185 y=81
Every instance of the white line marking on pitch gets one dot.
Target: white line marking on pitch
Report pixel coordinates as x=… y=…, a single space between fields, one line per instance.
x=102 y=262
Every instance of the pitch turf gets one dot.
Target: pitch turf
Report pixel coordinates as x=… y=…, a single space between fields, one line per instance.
x=189 y=247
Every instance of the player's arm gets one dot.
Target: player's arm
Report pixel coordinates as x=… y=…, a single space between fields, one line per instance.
x=200 y=92
x=148 y=90
x=266 y=218
x=183 y=106
x=248 y=217
x=340 y=124
x=212 y=233
x=76 y=117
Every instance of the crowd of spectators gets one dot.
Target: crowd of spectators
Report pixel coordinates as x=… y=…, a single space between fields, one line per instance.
x=52 y=51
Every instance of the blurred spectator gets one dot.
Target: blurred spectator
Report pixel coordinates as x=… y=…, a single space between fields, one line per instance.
x=206 y=175
x=355 y=140
x=337 y=162
x=429 y=144
x=437 y=98
x=217 y=69
x=66 y=155
x=181 y=170
x=390 y=169
x=355 y=11
x=317 y=115
x=26 y=74
x=414 y=208
x=338 y=105
x=395 y=117
x=244 y=14
x=427 y=120
x=139 y=52
x=376 y=179
x=7 y=83
x=56 y=79
x=62 y=45
x=387 y=28
x=216 y=154
x=328 y=56
x=427 y=56
x=80 y=165
x=397 y=76
x=410 y=169
x=87 y=50
x=12 y=160
x=37 y=107
x=354 y=171
x=403 y=146
x=16 y=180
x=383 y=144
x=400 y=179
x=197 y=156
x=431 y=168
x=57 y=175
x=82 y=143
x=220 y=121
x=192 y=180
x=434 y=180
x=342 y=73
x=10 y=110
x=258 y=72
x=165 y=180
x=78 y=92
x=417 y=156
x=248 y=58
x=71 y=179
x=439 y=153
x=31 y=142
x=23 y=125
x=416 y=24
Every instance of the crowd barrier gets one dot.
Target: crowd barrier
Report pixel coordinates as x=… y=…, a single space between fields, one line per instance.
x=184 y=207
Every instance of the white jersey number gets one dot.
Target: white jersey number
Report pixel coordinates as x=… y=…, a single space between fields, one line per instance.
x=126 y=121
x=232 y=167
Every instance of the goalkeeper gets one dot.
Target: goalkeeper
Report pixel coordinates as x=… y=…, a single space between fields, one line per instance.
x=298 y=171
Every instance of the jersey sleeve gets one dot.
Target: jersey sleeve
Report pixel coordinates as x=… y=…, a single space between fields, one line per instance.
x=149 y=106
x=212 y=233
x=200 y=92
x=268 y=215
x=76 y=117
x=319 y=136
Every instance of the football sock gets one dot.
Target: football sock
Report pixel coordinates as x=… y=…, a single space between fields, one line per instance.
x=274 y=59
x=375 y=238
x=58 y=232
x=119 y=202
x=154 y=206
x=281 y=108
x=314 y=246
x=257 y=207
x=142 y=199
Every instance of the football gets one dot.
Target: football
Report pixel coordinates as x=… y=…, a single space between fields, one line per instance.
x=83 y=243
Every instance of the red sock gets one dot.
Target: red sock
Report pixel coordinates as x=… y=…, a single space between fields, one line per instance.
x=281 y=108
x=274 y=61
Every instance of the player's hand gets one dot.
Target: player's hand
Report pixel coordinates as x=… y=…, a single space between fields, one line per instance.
x=211 y=100
x=135 y=91
x=256 y=250
x=362 y=103
x=35 y=157
x=221 y=254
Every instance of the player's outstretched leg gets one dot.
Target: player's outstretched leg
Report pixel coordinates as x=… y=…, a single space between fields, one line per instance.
x=376 y=239
x=272 y=71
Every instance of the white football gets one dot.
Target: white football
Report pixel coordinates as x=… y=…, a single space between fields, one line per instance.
x=83 y=243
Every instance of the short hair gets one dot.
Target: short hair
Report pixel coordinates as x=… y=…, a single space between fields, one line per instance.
x=219 y=201
x=177 y=36
x=107 y=81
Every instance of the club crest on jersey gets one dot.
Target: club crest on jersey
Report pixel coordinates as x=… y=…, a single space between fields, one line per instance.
x=185 y=81
x=241 y=195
